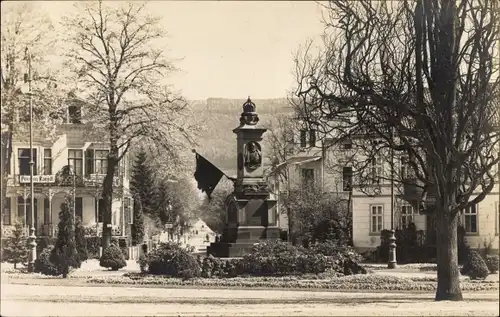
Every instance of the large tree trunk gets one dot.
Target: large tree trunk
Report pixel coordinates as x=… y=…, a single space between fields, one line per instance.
x=107 y=196
x=448 y=287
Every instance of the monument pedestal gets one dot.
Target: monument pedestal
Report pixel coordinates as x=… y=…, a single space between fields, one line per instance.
x=250 y=221
x=250 y=213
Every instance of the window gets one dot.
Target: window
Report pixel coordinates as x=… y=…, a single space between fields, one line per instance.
x=376 y=170
x=303 y=138
x=101 y=161
x=46 y=212
x=22 y=207
x=407 y=216
x=99 y=207
x=470 y=219
x=75 y=160
x=377 y=219
x=307 y=177
x=24 y=210
x=128 y=209
x=24 y=161
x=47 y=162
x=6 y=212
x=89 y=162
x=79 y=207
x=312 y=138
x=74 y=114
x=347 y=179
x=347 y=145
x=96 y=161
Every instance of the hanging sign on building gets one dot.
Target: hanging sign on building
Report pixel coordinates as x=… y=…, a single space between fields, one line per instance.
x=25 y=179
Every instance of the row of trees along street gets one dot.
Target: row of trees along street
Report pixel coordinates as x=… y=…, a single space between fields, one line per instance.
x=114 y=66
x=420 y=78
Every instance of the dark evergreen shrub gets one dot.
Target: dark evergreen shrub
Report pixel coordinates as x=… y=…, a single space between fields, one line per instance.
x=64 y=254
x=15 y=249
x=44 y=265
x=112 y=258
x=492 y=263
x=475 y=267
x=171 y=259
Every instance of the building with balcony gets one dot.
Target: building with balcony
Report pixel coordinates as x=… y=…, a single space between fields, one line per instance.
x=331 y=165
x=68 y=158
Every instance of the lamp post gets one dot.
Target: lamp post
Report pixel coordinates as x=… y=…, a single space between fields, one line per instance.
x=32 y=236
x=392 y=263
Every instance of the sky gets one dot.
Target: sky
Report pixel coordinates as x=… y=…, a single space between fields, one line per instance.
x=230 y=49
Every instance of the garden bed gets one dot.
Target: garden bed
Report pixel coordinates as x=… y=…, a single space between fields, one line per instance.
x=367 y=282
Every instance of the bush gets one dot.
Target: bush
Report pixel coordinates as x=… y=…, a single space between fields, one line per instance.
x=112 y=257
x=172 y=259
x=475 y=267
x=93 y=247
x=344 y=258
x=15 y=250
x=81 y=243
x=64 y=254
x=492 y=263
x=44 y=265
x=281 y=258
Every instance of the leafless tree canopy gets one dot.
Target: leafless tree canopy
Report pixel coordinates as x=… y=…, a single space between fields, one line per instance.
x=421 y=79
x=120 y=74
x=121 y=71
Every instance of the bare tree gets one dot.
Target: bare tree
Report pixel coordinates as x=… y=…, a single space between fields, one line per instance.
x=116 y=56
x=24 y=27
x=417 y=78
x=281 y=143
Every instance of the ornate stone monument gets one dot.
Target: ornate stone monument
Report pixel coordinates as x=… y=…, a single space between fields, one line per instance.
x=250 y=213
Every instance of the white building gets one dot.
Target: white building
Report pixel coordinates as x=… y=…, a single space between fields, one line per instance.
x=332 y=170
x=80 y=146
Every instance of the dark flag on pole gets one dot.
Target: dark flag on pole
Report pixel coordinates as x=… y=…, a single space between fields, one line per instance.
x=207 y=175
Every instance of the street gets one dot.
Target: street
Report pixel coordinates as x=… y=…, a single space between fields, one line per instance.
x=38 y=300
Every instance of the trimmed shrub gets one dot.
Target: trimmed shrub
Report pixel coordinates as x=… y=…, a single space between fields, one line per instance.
x=112 y=258
x=492 y=263
x=44 y=265
x=172 y=259
x=475 y=267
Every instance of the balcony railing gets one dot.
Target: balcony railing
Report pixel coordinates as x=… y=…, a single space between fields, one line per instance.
x=92 y=180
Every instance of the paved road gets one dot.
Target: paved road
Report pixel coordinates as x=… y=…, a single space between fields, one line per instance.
x=38 y=300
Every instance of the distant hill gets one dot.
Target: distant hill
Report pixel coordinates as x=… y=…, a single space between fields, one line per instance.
x=218 y=142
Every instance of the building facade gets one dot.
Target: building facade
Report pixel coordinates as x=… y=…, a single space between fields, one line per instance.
x=331 y=167
x=59 y=152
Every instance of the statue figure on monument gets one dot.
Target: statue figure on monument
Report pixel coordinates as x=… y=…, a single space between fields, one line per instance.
x=253 y=157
